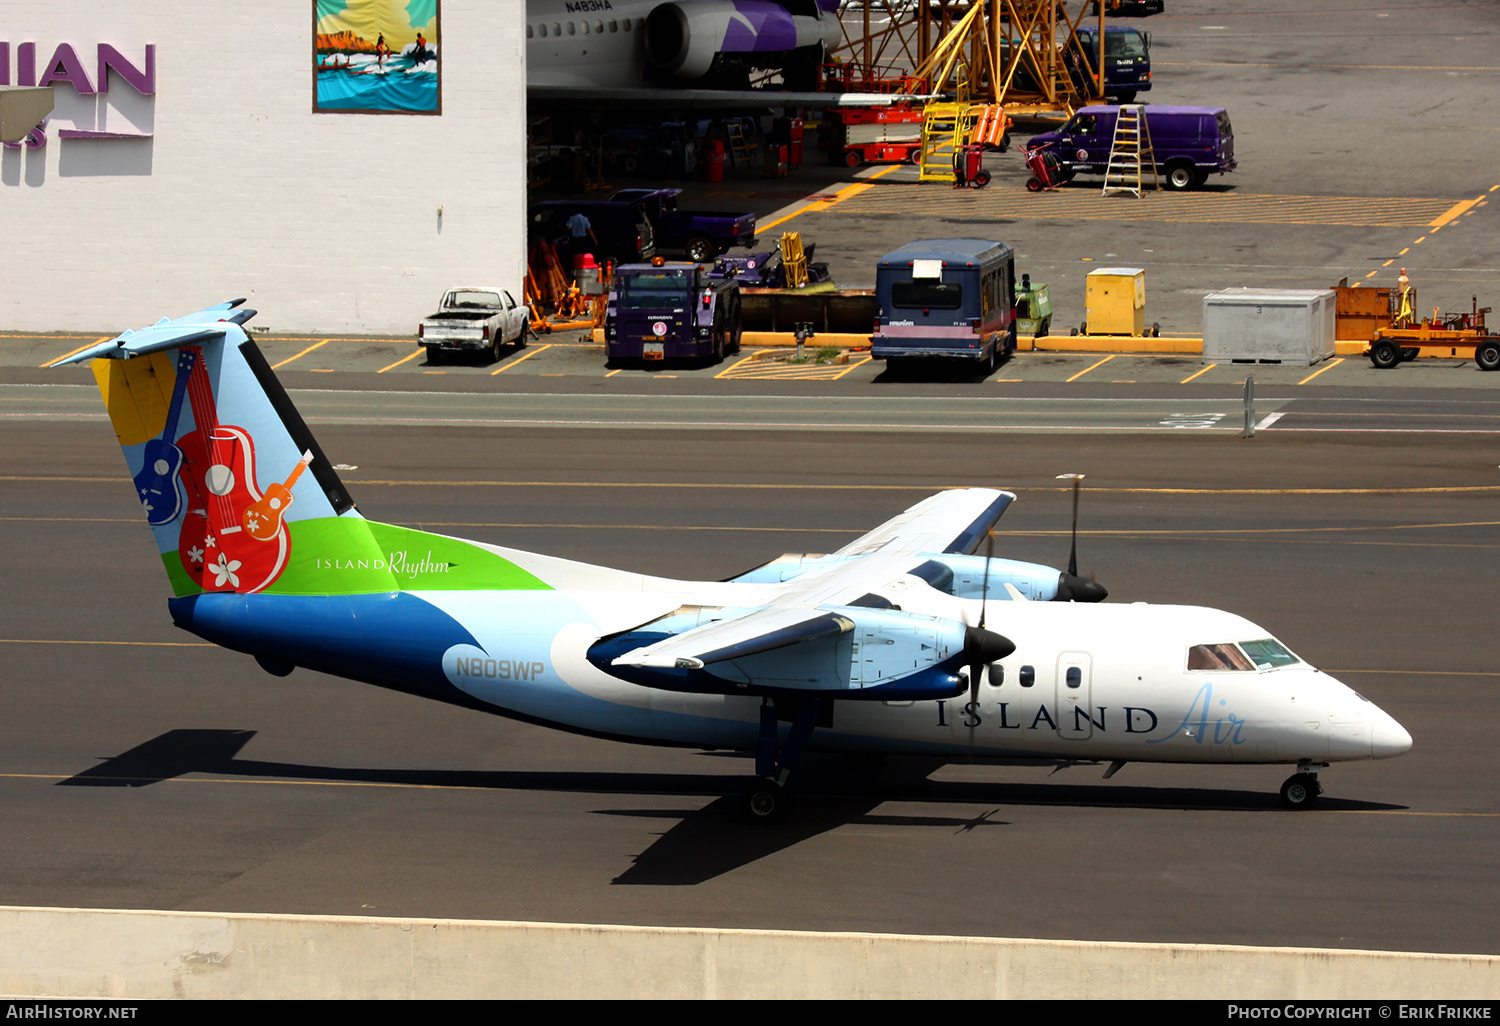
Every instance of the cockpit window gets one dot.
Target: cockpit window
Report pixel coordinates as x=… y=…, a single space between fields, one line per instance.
x=1268 y=653
x=1218 y=657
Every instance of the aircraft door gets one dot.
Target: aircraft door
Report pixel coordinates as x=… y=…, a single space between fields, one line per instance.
x=1073 y=696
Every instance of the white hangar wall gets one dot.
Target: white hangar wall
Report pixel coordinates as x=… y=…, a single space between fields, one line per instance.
x=326 y=222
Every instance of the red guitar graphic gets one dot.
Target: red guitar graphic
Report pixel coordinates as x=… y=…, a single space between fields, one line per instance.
x=219 y=472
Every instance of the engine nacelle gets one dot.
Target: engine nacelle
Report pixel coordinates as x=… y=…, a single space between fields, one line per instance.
x=684 y=39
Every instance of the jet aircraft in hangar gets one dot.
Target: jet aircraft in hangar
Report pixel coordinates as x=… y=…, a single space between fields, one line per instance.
x=905 y=641
x=683 y=54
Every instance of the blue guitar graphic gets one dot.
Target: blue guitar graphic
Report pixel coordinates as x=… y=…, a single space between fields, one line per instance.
x=156 y=484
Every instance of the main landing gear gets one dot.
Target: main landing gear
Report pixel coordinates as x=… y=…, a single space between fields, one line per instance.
x=1301 y=789
x=767 y=799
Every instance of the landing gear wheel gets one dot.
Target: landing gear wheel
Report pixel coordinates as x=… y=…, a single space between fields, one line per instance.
x=765 y=801
x=1300 y=791
x=1487 y=354
x=1385 y=354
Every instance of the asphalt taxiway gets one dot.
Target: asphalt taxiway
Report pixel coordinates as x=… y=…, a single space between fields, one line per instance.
x=142 y=770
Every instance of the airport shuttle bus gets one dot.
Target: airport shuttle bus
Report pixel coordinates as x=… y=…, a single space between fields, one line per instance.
x=947 y=299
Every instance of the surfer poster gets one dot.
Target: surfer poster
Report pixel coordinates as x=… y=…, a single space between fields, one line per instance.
x=376 y=57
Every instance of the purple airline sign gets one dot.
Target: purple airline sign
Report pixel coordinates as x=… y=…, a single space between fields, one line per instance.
x=66 y=68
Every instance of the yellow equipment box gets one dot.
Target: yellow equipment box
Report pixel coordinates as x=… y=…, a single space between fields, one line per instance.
x=1116 y=301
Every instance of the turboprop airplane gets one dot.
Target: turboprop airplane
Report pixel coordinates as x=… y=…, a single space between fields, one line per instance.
x=881 y=647
x=681 y=54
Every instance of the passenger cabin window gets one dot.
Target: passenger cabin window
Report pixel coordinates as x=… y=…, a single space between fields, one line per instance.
x=541 y=30
x=529 y=31
x=614 y=26
x=1074 y=677
x=926 y=295
x=1028 y=676
x=1218 y=657
x=997 y=675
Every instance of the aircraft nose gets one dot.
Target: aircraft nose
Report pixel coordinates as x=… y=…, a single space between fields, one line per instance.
x=1387 y=737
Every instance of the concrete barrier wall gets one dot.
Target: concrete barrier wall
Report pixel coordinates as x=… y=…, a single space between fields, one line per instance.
x=132 y=955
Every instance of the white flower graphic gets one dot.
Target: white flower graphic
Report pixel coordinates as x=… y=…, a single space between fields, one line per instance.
x=223 y=571
x=195 y=554
x=209 y=541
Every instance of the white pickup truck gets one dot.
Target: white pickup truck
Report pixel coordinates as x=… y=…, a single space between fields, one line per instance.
x=474 y=319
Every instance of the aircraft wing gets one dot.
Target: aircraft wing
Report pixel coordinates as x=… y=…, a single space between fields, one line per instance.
x=951 y=521
x=761 y=631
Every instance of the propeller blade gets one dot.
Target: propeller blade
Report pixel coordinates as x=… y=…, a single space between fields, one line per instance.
x=1071 y=587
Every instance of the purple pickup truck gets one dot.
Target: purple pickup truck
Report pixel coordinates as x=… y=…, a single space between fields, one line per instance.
x=701 y=234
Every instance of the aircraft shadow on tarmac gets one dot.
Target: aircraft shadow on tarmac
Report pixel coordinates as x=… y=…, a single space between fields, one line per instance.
x=709 y=841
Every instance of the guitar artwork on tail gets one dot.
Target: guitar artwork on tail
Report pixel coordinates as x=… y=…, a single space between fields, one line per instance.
x=893 y=644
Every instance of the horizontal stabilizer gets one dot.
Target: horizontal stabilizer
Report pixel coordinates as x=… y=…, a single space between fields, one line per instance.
x=762 y=631
x=167 y=333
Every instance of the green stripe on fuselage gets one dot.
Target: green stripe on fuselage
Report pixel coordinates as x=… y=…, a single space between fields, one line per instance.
x=352 y=556
x=348 y=555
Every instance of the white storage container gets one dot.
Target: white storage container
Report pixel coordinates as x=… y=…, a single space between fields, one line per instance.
x=1290 y=326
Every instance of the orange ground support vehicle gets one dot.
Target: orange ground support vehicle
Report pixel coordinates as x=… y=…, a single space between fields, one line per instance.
x=1387 y=319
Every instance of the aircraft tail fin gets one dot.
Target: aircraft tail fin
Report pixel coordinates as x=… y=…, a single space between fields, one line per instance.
x=236 y=489
x=226 y=469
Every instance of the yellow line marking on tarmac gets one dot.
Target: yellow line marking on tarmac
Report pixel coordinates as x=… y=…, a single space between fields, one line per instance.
x=824 y=202
x=520 y=359
x=289 y=359
x=1330 y=366
x=71 y=352
x=1201 y=208
x=614 y=372
x=1361 y=67
x=851 y=366
x=738 y=363
x=1124 y=490
x=1372 y=274
x=399 y=362
x=1389 y=262
x=151 y=644
x=1101 y=363
x=403 y=785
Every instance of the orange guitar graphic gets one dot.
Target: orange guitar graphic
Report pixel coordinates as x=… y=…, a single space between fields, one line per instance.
x=262 y=519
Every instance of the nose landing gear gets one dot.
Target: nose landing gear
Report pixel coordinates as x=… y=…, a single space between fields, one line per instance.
x=1301 y=789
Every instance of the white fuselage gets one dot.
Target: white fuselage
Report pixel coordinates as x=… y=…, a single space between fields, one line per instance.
x=1130 y=696
x=586 y=43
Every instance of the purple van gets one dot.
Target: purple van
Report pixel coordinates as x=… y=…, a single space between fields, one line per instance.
x=1190 y=143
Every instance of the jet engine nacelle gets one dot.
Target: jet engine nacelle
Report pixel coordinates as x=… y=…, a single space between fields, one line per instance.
x=684 y=39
